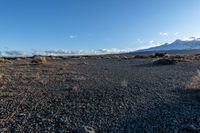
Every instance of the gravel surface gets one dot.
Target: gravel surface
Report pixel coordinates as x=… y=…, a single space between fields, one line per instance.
x=111 y=94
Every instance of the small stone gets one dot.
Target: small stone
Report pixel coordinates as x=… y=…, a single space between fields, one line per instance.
x=84 y=129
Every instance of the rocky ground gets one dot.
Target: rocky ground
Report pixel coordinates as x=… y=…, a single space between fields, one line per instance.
x=111 y=94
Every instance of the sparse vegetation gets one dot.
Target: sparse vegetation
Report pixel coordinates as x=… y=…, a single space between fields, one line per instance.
x=124 y=83
x=140 y=56
x=164 y=62
x=194 y=83
x=3 y=60
x=159 y=54
x=106 y=95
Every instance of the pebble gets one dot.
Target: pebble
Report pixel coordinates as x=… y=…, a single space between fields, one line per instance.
x=84 y=129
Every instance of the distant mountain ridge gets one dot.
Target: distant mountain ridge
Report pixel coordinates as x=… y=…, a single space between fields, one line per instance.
x=191 y=44
x=179 y=45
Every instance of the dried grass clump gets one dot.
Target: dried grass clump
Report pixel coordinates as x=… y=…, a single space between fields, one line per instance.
x=194 y=82
x=22 y=58
x=4 y=79
x=39 y=60
x=2 y=60
x=124 y=83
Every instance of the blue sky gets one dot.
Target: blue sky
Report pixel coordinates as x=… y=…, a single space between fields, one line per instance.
x=95 y=24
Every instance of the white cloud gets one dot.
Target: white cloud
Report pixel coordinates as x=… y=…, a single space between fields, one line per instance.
x=63 y=52
x=191 y=38
x=57 y=52
x=114 y=50
x=152 y=42
x=176 y=34
x=71 y=37
x=164 y=33
x=167 y=33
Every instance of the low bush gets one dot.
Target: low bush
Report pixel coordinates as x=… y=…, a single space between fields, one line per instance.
x=39 y=60
x=164 y=62
x=159 y=54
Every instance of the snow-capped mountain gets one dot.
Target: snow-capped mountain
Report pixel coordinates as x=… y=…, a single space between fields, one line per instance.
x=189 y=44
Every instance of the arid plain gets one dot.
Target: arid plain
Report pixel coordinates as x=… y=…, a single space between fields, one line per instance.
x=111 y=93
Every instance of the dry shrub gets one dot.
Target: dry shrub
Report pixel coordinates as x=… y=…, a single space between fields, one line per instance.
x=194 y=83
x=155 y=55
x=52 y=57
x=76 y=88
x=140 y=57
x=39 y=60
x=4 y=79
x=22 y=58
x=2 y=60
x=37 y=76
x=164 y=62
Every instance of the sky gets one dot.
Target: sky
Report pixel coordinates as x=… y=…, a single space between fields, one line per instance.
x=95 y=24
